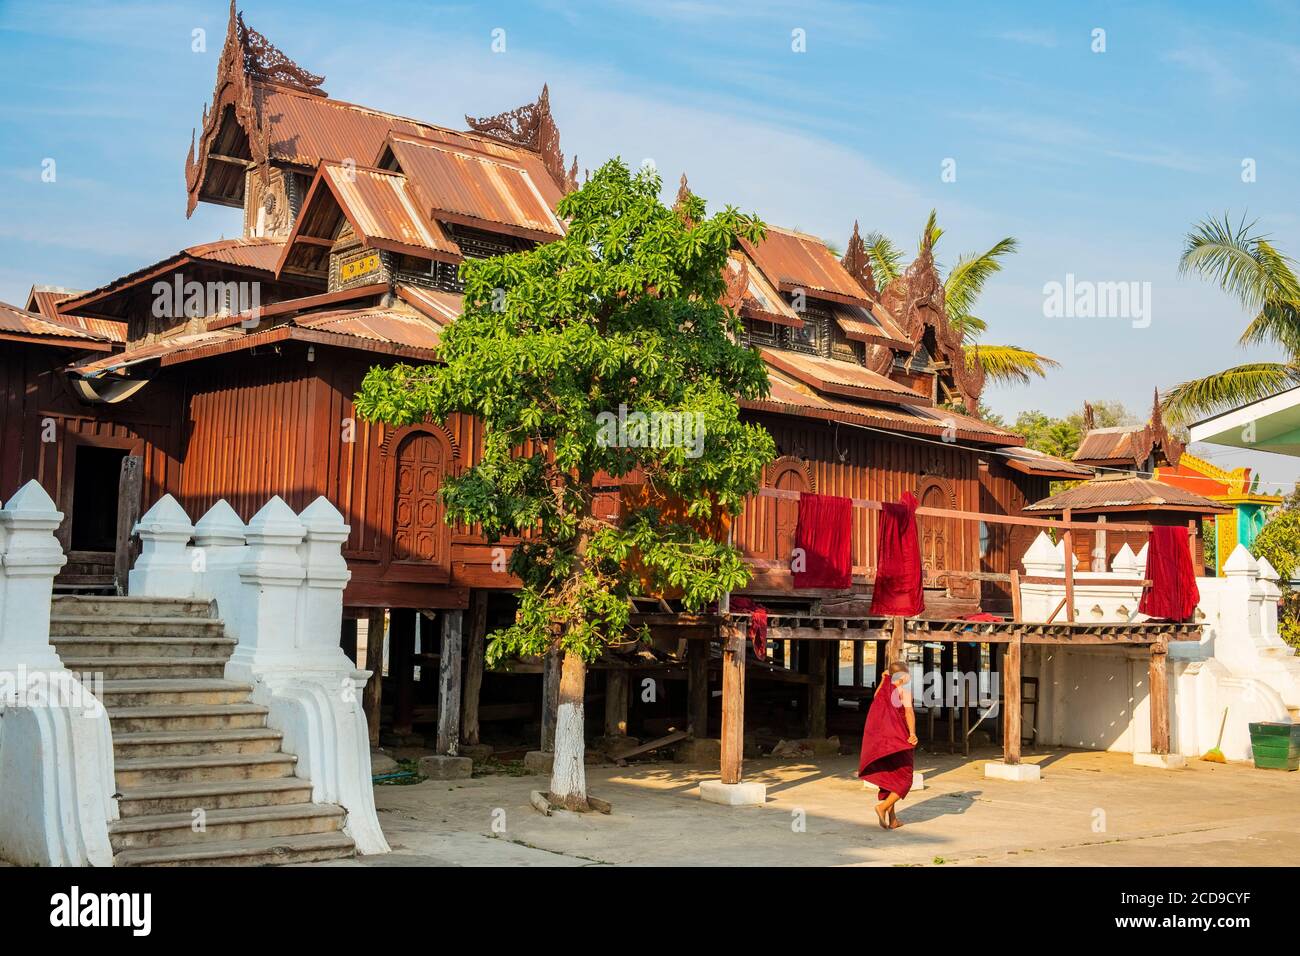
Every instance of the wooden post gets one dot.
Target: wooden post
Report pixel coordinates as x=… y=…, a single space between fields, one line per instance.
x=1100 y=559
x=474 y=663
x=896 y=647
x=947 y=663
x=859 y=647
x=819 y=676
x=882 y=659
x=1011 y=700
x=616 y=688
x=551 y=665
x=697 y=689
x=1015 y=596
x=348 y=638
x=372 y=696
x=130 y=482
x=733 y=702
x=401 y=650
x=1198 y=567
x=1069 y=570
x=453 y=624
x=1158 y=696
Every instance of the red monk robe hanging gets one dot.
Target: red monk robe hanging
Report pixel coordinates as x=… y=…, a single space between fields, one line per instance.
x=898 y=561
x=1173 y=594
x=824 y=541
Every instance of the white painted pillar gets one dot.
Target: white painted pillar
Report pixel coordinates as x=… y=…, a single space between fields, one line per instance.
x=326 y=574
x=32 y=557
x=163 y=568
x=271 y=572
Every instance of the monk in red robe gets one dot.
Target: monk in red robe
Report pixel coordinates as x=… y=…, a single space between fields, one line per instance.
x=889 y=742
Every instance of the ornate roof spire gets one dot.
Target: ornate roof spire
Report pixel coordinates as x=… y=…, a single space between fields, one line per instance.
x=683 y=198
x=1089 y=417
x=532 y=127
x=858 y=264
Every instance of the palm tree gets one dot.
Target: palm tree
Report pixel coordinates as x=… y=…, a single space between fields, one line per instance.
x=1249 y=267
x=962 y=286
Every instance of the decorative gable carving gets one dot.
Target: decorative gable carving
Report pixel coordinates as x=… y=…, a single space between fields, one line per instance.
x=532 y=127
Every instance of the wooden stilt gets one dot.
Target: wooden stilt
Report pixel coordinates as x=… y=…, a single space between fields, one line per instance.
x=1011 y=701
x=474 y=664
x=882 y=659
x=697 y=689
x=1069 y=569
x=449 y=703
x=551 y=665
x=817 y=657
x=858 y=648
x=897 y=653
x=372 y=696
x=947 y=658
x=126 y=547
x=733 y=702
x=401 y=650
x=1158 y=679
x=616 y=688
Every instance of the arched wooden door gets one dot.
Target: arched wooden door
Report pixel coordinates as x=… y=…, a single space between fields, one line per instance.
x=787 y=476
x=420 y=536
x=934 y=532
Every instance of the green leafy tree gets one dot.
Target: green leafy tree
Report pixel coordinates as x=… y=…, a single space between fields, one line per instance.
x=620 y=315
x=1258 y=275
x=1279 y=542
x=962 y=287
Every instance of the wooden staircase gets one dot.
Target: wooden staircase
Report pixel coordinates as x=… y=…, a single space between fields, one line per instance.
x=200 y=777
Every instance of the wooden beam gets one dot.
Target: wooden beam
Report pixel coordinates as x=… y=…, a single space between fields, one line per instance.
x=1069 y=569
x=550 y=697
x=733 y=702
x=129 y=485
x=475 y=661
x=449 y=682
x=818 y=659
x=896 y=653
x=1011 y=702
x=1158 y=695
x=616 y=690
x=372 y=695
x=697 y=689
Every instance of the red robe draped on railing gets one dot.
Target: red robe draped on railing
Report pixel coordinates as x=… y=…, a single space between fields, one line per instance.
x=898 y=561
x=1173 y=594
x=824 y=538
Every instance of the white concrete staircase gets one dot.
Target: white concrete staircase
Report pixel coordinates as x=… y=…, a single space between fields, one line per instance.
x=186 y=739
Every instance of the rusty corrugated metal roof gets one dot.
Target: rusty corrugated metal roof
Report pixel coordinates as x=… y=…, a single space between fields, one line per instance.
x=19 y=322
x=1126 y=492
x=438 y=305
x=794 y=261
x=874 y=325
x=473 y=187
x=395 y=326
x=790 y=397
x=45 y=299
x=761 y=299
x=1034 y=462
x=382 y=208
x=840 y=378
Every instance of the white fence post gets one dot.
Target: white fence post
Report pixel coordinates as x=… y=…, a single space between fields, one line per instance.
x=163 y=568
x=56 y=747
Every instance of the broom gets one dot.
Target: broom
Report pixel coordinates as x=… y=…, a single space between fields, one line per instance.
x=1214 y=754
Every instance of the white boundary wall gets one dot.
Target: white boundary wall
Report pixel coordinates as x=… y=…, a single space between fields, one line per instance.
x=1097 y=697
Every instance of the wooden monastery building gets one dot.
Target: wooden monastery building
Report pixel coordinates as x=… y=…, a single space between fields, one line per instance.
x=354 y=222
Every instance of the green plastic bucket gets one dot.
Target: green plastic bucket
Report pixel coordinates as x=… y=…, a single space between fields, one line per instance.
x=1276 y=745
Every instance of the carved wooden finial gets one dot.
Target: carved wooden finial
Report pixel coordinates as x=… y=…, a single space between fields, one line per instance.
x=1157 y=416
x=858 y=264
x=532 y=127
x=1089 y=417
x=683 y=198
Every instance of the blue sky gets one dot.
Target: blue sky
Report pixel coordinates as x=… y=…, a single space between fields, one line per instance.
x=1098 y=162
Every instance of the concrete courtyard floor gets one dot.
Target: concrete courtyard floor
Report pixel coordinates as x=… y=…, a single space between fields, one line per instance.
x=1090 y=809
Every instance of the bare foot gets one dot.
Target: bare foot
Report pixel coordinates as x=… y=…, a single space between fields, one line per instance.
x=881 y=817
x=894 y=822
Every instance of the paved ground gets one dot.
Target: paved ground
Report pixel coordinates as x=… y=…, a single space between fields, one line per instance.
x=1089 y=809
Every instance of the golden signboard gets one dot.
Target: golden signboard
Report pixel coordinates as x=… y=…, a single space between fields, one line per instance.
x=359 y=267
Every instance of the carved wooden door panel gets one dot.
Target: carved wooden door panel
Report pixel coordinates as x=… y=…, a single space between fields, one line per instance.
x=934 y=534
x=787 y=513
x=419 y=533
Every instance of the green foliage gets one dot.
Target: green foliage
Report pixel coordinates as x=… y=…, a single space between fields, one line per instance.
x=1061 y=436
x=1263 y=280
x=1279 y=542
x=1210 y=535
x=623 y=312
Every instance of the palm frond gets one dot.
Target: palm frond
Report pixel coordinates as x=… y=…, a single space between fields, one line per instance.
x=1229 y=389
x=886 y=258
x=966 y=280
x=932 y=229
x=1010 y=363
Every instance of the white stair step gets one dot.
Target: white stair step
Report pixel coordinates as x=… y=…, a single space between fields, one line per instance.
x=212 y=795
x=98 y=625
x=100 y=604
x=219 y=826
x=306 y=848
x=146 y=668
x=130 y=646
x=196 y=743
x=144 y=693
x=149 y=771
x=181 y=717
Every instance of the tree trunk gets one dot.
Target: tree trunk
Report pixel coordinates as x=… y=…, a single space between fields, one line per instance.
x=568 y=772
